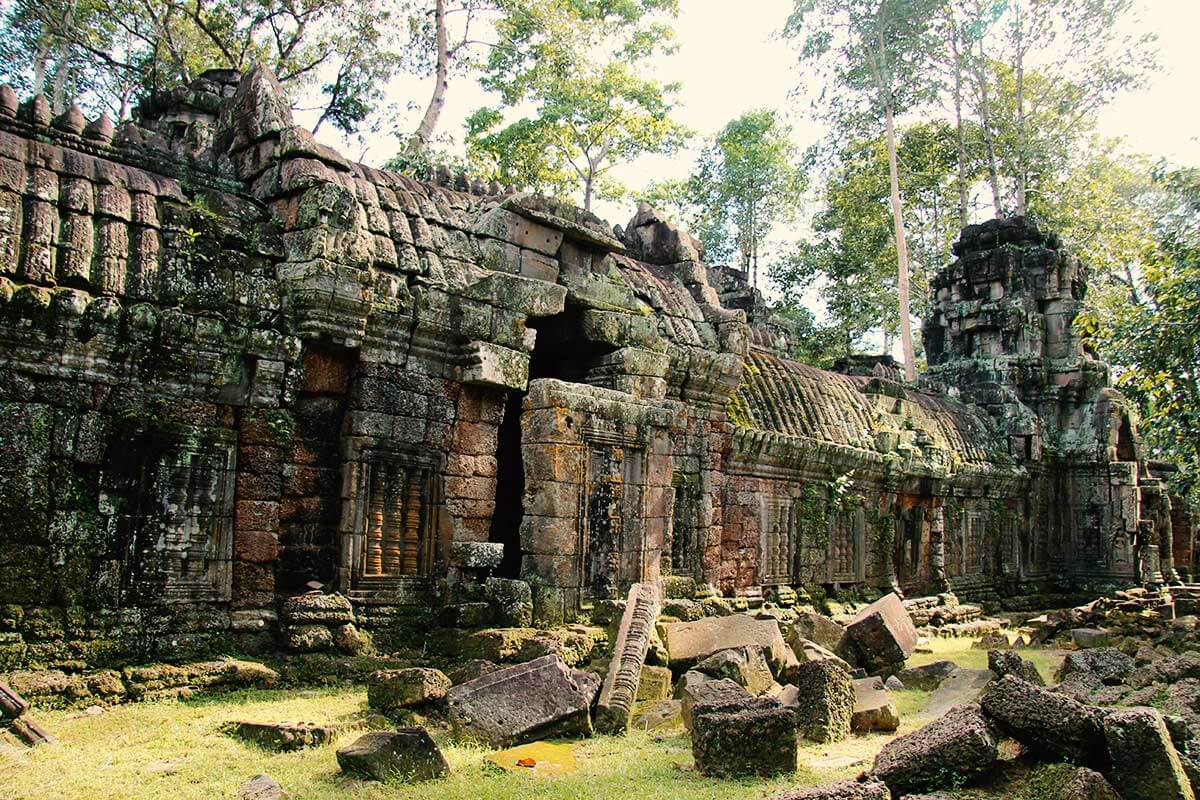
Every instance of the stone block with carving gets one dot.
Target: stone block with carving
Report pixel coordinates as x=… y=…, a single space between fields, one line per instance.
x=539 y=699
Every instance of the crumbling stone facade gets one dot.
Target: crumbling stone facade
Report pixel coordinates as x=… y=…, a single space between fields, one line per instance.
x=235 y=365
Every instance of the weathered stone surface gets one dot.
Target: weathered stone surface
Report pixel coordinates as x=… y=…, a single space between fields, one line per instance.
x=657 y=715
x=688 y=643
x=407 y=754
x=746 y=666
x=262 y=787
x=316 y=608
x=621 y=684
x=1087 y=638
x=522 y=703
x=868 y=789
x=956 y=748
x=284 y=736
x=390 y=690
x=1144 y=763
x=825 y=701
x=1109 y=665
x=817 y=628
x=880 y=636
x=874 y=710
x=655 y=684
x=697 y=688
x=1045 y=721
x=512 y=602
x=927 y=676
x=750 y=736
x=307 y=638
x=1006 y=662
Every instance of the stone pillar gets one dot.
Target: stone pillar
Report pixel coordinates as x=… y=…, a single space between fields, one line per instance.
x=937 y=548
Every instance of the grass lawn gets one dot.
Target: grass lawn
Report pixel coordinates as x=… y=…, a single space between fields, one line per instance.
x=176 y=750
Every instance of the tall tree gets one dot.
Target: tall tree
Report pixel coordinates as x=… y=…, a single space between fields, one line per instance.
x=745 y=183
x=877 y=55
x=577 y=70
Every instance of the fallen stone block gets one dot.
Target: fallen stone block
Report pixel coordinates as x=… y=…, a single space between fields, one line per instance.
x=1045 y=721
x=620 y=689
x=659 y=715
x=12 y=705
x=750 y=736
x=824 y=701
x=867 y=789
x=880 y=636
x=1086 y=638
x=1006 y=662
x=30 y=732
x=407 y=753
x=1086 y=784
x=284 y=736
x=655 y=684
x=315 y=608
x=954 y=749
x=262 y=787
x=540 y=699
x=1144 y=763
x=816 y=628
x=511 y=602
x=698 y=688
x=811 y=651
x=390 y=690
x=745 y=666
x=874 y=709
x=927 y=676
x=1107 y=664
x=689 y=643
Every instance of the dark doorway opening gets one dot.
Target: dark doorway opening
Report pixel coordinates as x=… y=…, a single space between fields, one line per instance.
x=510 y=487
x=1125 y=447
x=561 y=351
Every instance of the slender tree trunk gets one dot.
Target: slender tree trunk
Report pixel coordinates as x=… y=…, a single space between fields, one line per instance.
x=989 y=136
x=40 y=61
x=587 y=191
x=906 y=342
x=959 y=135
x=1022 y=155
x=441 y=83
x=58 y=92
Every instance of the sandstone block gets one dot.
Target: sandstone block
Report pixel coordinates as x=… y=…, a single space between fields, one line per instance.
x=390 y=690
x=284 y=736
x=522 y=703
x=882 y=635
x=745 y=666
x=874 y=710
x=955 y=748
x=409 y=754
x=816 y=628
x=262 y=787
x=927 y=676
x=751 y=736
x=697 y=688
x=1044 y=720
x=1144 y=763
x=12 y=705
x=825 y=701
x=867 y=789
x=689 y=643
x=512 y=601
x=654 y=685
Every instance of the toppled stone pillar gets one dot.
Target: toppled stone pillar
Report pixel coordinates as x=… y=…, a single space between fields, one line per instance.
x=620 y=688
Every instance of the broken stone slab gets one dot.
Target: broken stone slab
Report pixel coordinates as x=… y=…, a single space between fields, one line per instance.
x=1006 y=662
x=953 y=749
x=866 y=789
x=621 y=684
x=1108 y=664
x=880 y=636
x=964 y=686
x=806 y=650
x=874 y=709
x=1046 y=721
x=927 y=676
x=689 y=643
x=655 y=684
x=1087 y=638
x=698 y=688
x=750 y=736
x=389 y=690
x=659 y=715
x=539 y=699
x=12 y=705
x=472 y=669
x=262 y=787
x=406 y=753
x=284 y=736
x=746 y=666
x=30 y=732
x=1144 y=762
x=315 y=608
x=817 y=628
x=824 y=701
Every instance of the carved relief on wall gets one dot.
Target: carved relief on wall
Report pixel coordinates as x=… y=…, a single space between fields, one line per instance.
x=611 y=530
x=176 y=520
x=683 y=554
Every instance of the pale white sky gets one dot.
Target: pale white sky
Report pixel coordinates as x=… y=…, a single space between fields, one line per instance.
x=729 y=62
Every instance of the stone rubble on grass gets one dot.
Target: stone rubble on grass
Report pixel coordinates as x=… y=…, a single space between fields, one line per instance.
x=867 y=789
x=283 y=736
x=698 y=688
x=1006 y=662
x=1046 y=721
x=262 y=787
x=874 y=709
x=955 y=748
x=746 y=666
x=927 y=676
x=539 y=699
x=407 y=754
x=816 y=628
x=743 y=736
x=689 y=643
x=824 y=701
x=620 y=688
x=392 y=690
x=1107 y=664
x=879 y=637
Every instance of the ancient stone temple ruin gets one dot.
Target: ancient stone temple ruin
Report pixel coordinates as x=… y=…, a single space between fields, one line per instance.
x=237 y=365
